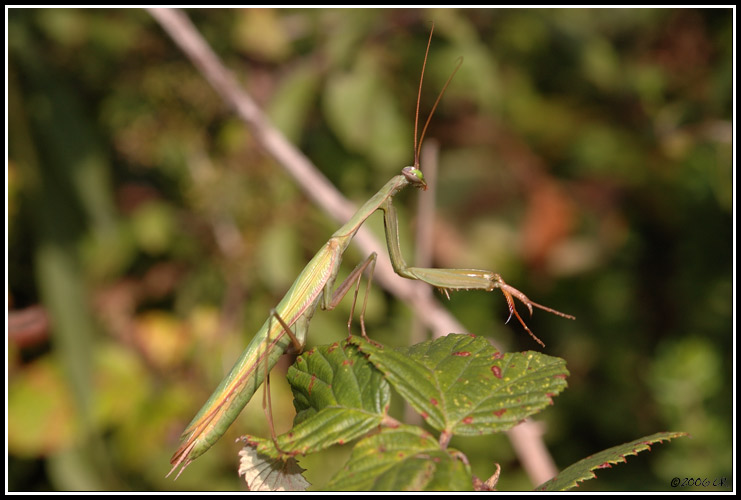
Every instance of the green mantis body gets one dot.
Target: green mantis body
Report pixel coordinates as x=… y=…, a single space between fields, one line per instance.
x=313 y=287
x=289 y=321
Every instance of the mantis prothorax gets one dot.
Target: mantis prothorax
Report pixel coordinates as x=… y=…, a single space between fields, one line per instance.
x=289 y=321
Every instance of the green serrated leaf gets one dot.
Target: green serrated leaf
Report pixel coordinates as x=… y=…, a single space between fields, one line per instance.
x=336 y=376
x=582 y=470
x=405 y=458
x=326 y=428
x=461 y=385
x=339 y=396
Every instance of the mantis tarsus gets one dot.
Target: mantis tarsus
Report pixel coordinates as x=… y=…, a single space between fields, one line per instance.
x=288 y=322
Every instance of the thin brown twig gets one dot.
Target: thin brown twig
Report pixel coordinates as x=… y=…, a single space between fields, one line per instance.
x=424 y=237
x=327 y=197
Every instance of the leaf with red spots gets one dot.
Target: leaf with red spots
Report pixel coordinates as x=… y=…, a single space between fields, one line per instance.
x=583 y=469
x=339 y=396
x=479 y=392
x=336 y=376
x=402 y=459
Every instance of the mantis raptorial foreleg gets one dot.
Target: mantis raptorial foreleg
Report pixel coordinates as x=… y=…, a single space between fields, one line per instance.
x=455 y=279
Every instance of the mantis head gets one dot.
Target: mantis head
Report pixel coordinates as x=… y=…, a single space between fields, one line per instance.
x=415 y=177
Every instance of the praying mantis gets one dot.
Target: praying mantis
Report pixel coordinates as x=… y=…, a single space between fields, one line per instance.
x=287 y=324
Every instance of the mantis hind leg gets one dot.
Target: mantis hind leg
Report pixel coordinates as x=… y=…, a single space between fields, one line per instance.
x=267 y=404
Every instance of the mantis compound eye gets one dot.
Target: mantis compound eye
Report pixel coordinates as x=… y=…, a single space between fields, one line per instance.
x=415 y=177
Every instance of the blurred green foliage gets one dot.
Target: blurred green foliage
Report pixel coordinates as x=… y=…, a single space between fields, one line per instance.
x=585 y=154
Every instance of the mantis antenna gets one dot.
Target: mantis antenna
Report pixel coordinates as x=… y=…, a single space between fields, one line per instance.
x=418 y=144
